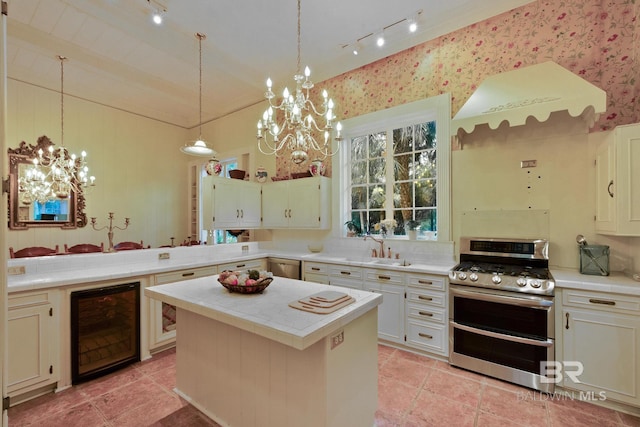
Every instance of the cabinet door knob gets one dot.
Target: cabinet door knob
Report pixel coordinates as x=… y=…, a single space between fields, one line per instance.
x=609 y=188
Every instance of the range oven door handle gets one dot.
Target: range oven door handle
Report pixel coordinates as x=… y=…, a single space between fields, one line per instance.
x=521 y=300
x=521 y=340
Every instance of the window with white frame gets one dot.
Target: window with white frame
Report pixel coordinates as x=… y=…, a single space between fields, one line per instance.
x=396 y=171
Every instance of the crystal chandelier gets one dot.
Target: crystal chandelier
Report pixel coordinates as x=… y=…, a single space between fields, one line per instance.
x=199 y=147
x=56 y=173
x=296 y=130
x=33 y=185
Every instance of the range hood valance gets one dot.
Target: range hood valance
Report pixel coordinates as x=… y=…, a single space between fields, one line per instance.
x=534 y=91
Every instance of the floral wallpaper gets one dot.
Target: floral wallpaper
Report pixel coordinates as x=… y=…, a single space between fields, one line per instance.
x=598 y=40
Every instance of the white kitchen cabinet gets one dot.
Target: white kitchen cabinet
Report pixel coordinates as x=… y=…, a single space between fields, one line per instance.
x=347 y=276
x=618 y=182
x=316 y=272
x=230 y=204
x=32 y=345
x=162 y=316
x=391 y=312
x=298 y=203
x=426 y=313
x=602 y=332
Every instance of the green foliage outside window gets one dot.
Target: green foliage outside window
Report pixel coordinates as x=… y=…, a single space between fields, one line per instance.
x=406 y=191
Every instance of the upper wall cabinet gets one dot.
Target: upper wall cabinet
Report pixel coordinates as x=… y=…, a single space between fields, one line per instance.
x=230 y=204
x=618 y=182
x=298 y=203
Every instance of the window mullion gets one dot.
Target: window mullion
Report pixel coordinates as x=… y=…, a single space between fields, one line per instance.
x=389 y=182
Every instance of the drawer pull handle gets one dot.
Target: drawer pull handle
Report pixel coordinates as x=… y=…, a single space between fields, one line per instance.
x=425 y=298
x=427 y=336
x=188 y=274
x=315 y=269
x=425 y=282
x=424 y=313
x=240 y=265
x=346 y=273
x=601 y=301
x=384 y=277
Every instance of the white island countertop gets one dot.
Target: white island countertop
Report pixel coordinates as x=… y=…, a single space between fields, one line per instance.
x=268 y=313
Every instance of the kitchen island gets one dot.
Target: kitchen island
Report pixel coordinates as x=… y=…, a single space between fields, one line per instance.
x=251 y=360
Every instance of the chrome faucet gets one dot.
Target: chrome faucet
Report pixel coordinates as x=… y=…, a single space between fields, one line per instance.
x=380 y=241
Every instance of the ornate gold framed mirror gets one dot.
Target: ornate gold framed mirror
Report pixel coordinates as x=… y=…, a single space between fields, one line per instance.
x=27 y=206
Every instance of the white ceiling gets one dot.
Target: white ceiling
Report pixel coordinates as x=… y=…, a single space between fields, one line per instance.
x=118 y=57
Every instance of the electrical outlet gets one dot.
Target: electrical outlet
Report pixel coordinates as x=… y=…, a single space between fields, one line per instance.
x=16 y=270
x=337 y=339
x=164 y=255
x=528 y=164
x=245 y=248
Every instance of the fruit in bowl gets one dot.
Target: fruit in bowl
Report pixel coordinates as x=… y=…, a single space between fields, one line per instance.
x=246 y=282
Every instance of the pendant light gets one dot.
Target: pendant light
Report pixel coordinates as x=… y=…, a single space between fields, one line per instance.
x=199 y=147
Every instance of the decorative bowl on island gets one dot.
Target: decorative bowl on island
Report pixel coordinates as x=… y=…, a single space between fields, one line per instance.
x=245 y=282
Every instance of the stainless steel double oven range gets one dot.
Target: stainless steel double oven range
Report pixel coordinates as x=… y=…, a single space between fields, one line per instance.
x=502 y=310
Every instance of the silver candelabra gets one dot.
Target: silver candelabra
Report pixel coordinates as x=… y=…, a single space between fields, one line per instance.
x=110 y=227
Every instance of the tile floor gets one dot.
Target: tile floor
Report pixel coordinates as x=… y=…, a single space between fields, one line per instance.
x=412 y=391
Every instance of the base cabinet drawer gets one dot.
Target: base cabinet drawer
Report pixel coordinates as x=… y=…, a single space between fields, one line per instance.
x=423 y=296
x=426 y=282
x=427 y=336
x=252 y=264
x=316 y=268
x=177 y=276
x=427 y=313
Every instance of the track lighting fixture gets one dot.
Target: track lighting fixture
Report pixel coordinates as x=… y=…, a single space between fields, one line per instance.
x=158 y=11
x=357 y=47
x=380 y=36
x=413 y=25
x=157 y=17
